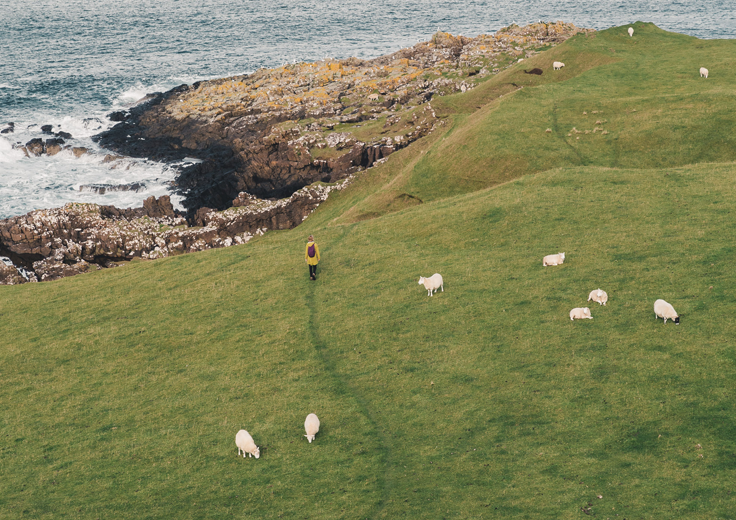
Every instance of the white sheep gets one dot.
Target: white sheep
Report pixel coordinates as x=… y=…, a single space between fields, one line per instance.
x=373 y=97
x=662 y=309
x=580 y=313
x=432 y=283
x=703 y=72
x=598 y=296
x=311 y=425
x=245 y=443
x=558 y=65
x=631 y=31
x=557 y=259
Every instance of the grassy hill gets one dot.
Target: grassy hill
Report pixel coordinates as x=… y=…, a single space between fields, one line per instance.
x=645 y=92
x=122 y=390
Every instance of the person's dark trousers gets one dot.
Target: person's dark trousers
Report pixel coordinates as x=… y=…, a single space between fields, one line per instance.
x=313 y=272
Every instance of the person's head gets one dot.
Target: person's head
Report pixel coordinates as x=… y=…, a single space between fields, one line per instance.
x=311 y=238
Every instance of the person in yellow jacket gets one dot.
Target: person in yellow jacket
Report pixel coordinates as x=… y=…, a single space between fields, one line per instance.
x=311 y=256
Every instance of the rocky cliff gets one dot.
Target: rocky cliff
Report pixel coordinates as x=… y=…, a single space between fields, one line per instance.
x=275 y=131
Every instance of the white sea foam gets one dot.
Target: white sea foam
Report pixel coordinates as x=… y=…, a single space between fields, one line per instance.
x=7 y=153
x=134 y=94
x=30 y=183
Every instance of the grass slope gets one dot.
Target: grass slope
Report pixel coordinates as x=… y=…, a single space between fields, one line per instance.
x=645 y=91
x=122 y=390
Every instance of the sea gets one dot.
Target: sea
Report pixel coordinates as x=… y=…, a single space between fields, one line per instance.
x=69 y=63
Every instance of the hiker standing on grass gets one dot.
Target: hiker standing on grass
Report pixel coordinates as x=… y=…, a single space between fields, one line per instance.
x=311 y=255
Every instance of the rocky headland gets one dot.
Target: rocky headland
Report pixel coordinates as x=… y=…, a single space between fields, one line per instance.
x=256 y=152
x=277 y=130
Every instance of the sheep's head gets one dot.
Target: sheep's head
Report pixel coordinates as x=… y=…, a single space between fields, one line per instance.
x=677 y=320
x=562 y=255
x=257 y=452
x=586 y=311
x=310 y=438
x=421 y=280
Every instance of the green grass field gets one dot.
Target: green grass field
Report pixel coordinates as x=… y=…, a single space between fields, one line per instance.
x=122 y=390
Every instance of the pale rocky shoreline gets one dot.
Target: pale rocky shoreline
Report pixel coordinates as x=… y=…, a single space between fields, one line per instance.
x=46 y=245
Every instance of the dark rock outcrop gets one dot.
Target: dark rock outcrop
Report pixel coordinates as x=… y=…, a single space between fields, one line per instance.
x=50 y=146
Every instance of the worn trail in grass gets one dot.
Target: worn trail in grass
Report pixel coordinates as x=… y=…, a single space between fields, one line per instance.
x=345 y=387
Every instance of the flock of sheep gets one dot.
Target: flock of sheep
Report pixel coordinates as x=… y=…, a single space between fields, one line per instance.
x=557 y=65
x=246 y=444
x=662 y=309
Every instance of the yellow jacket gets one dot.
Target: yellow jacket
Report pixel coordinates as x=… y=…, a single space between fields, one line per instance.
x=315 y=259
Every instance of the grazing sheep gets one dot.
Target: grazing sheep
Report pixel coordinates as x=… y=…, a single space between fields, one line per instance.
x=631 y=31
x=245 y=443
x=373 y=97
x=580 y=313
x=311 y=425
x=432 y=283
x=558 y=65
x=703 y=72
x=598 y=296
x=662 y=309
x=557 y=259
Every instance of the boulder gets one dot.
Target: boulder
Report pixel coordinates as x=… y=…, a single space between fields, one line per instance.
x=53 y=146
x=35 y=147
x=160 y=207
x=9 y=275
x=118 y=116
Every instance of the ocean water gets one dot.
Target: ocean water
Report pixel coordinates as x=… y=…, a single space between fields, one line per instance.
x=69 y=63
